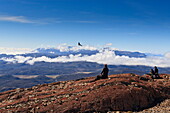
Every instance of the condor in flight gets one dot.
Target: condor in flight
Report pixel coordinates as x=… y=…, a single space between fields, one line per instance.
x=79 y=44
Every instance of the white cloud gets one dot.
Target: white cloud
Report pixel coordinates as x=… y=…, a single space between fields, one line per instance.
x=103 y=57
x=20 y=19
x=109 y=44
x=65 y=48
x=167 y=55
x=14 y=51
x=17 y=59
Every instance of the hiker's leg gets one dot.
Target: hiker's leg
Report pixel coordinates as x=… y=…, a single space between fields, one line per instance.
x=98 y=77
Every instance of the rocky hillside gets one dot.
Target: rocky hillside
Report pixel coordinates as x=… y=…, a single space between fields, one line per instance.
x=121 y=92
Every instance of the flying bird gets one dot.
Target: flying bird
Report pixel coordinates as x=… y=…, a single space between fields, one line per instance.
x=79 y=44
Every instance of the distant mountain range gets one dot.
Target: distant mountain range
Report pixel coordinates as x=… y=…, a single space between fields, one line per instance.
x=9 y=72
x=55 y=52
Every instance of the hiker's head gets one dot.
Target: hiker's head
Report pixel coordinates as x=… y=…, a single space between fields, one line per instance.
x=105 y=65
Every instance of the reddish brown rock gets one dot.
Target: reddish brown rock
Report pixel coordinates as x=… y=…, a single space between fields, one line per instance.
x=122 y=92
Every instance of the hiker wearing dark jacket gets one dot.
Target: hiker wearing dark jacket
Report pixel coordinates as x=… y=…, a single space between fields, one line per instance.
x=152 y=73
x=156 y=72
x=104 y=73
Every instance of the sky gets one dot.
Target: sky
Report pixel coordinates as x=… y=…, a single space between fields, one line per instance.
x=134 y=25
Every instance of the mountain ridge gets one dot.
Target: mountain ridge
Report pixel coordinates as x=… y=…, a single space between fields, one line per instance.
x=121 y=92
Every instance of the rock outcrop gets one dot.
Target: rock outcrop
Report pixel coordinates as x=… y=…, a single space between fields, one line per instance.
x=121 y=92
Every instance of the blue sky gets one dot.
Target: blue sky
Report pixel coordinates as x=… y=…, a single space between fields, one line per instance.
x=136 y=25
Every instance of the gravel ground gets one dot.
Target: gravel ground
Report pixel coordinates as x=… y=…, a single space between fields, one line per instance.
x=163 y=107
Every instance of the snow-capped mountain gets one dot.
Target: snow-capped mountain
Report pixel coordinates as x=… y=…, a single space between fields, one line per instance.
x=67 y=50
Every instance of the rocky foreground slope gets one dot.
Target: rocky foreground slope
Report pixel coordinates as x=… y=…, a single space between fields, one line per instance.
x=121 y=92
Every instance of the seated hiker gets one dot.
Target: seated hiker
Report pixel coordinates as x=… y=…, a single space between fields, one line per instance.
x=156 y=72
x=152 y=73
x=104 y=73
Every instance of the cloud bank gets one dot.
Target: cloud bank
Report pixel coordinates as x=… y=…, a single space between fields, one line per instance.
x=14 y=51
x=103 y=57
